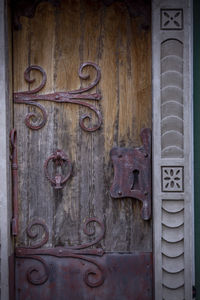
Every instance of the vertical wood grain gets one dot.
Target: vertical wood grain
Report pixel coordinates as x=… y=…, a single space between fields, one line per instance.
x=59 y=40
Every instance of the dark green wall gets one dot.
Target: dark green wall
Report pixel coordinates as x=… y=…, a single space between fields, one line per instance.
x=197 y=140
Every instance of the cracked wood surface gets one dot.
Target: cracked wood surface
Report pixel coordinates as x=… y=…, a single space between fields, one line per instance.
x=59 y=40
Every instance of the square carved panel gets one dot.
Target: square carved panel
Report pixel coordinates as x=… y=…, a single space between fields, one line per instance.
x=171 y=19
x=172 y=179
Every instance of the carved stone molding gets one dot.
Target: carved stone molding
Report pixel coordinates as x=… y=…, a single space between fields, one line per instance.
x=171 y=19
x=173 y=248
x=172 y=179
x=172 y=155
x=172 y=132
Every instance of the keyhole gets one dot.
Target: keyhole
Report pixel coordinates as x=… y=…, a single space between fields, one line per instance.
x=135 y=185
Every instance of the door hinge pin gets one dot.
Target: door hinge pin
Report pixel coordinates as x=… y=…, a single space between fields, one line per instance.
x=14 y=167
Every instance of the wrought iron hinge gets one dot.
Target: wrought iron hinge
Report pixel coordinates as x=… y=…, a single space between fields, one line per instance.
x=77 y=97
x=194 y=292
x=93 y=278
x=14 y=167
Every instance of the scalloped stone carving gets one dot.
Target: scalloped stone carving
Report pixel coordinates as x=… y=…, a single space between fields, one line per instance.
x=173 y=235
x=171 y=294
x=172 y=99
x=172 y=148
x=173 y=265
x=172 y=220
x=169 y=250
x=173 y=281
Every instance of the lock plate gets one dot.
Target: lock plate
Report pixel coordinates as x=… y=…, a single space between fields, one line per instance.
x=132 y=173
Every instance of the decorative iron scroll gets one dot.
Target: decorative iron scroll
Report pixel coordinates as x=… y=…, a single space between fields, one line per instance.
x=74 y=97
x=80 y=252
x=59 y=158
x=132 y=173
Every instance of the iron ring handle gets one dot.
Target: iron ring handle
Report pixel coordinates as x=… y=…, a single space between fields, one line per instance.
x=58 y=156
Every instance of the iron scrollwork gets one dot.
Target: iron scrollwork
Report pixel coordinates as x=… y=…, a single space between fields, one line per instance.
x=38 y=275
x=74 y=97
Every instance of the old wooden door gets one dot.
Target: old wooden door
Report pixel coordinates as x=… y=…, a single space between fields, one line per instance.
x=86 y=90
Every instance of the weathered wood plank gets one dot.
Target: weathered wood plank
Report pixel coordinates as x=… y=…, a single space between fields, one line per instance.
x=60 y=39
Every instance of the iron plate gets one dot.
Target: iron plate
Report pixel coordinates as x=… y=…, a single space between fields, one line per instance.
x=128 y=276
